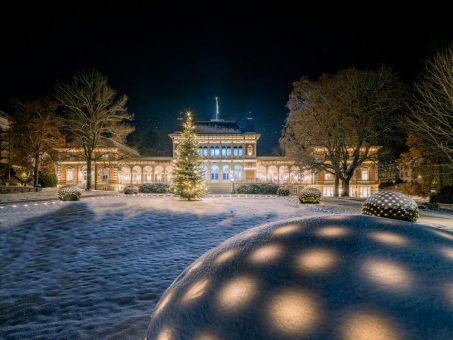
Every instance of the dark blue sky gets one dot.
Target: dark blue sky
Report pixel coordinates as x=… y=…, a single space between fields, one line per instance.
x=170 y=58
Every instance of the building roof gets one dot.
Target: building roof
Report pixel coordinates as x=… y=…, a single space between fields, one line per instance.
x=110 y=143
x=217 y=126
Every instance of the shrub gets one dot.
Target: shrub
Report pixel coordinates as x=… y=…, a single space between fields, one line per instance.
x=283 y=191
x=48 y=180
x=391 y=204
x=444 y=195
x=310 y=195
x=131 y=189
x=156 y=188
x=69 y=193
x=258 y=188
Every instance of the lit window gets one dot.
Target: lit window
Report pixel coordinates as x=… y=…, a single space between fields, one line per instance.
x=364 y=174
x=105 y=175
x=217 y=151
x=228 y=151
x=205 y=151
x=69 y=175
x=364 y=191
x=237 y=173
x=70 y=157
x=204 y=171
x=327 y=191
x=214 y=172
x=226 y=172
x=224 y=151
x=200 y=151
x=235 y=151
x=240 y=151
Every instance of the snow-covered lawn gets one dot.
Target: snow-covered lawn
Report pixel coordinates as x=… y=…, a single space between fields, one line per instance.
x=96 y=268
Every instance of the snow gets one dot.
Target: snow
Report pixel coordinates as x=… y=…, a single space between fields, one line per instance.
x=96 y=268
x=343 y=276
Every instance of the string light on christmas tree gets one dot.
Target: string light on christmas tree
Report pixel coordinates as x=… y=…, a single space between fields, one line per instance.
x=188 y=180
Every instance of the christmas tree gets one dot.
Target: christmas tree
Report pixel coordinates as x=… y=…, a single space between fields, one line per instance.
x=187 y=177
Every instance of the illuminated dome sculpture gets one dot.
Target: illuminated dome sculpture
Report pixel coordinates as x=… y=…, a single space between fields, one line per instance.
x=391 y=204
x=336 y=277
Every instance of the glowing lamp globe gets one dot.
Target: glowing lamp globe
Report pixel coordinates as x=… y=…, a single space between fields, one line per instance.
x=337 y=277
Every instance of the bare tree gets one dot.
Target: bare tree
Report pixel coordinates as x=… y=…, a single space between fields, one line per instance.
x=432 y=111
x=36 y=131
x=336 y=122
x=93 y=111
x=311 y=135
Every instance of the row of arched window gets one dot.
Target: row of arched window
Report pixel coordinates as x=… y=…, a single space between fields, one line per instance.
x=225 y=173
x=217 y=151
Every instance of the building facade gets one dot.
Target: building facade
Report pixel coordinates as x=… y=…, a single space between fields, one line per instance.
x=229 y=158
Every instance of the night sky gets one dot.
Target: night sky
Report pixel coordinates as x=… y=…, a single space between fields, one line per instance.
x=168 y=59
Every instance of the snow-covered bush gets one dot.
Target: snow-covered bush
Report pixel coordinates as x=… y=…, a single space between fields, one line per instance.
x=258 y=188
x=391 y=204
x=131 y=189
x=155 y=188
x=283 y=191
x=69 y=193
x=310 y=195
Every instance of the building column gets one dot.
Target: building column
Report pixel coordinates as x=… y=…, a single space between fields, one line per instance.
x=142 y=181
x=131 y=167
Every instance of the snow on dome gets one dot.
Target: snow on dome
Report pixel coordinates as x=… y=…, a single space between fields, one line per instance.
x=391 y=204
x=330 y=277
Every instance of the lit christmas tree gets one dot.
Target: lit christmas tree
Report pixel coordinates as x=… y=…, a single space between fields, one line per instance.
x=188 y=181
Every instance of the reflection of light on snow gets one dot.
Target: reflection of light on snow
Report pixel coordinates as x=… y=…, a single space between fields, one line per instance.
x=196 y=265
x=333 y=232
x=448 y=292
x=447 y=252
x=165 y=334
x=293 y=312
x=287 y=229
x=266 y=254
x=249 y=234
x=237 y=293
x=163 y=303
x=389 y=238
x=443 y=234
x=316 y=260
x=387 y=274
x=196 y=290
x=206 y=335
x=225 y=256
x=369 y=326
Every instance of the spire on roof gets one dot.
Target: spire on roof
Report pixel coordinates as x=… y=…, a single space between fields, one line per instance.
x=217 y=111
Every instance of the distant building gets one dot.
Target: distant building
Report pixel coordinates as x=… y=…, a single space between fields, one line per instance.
x=5 y=126
x=229 y=157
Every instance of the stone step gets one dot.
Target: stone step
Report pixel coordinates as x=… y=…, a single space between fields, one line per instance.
x=219 y=188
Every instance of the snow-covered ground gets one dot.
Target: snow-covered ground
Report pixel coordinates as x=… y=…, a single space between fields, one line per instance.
x=96 y=268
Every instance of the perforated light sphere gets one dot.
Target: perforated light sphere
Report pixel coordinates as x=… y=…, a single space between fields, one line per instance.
x=310 y=195
x=337 y=277
x=391 y=204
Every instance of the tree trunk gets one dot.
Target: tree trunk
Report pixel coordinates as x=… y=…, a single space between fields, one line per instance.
x=96 y=174
x=345 y=187
x=88 y=172
x=36 y=170
x=337 y=186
